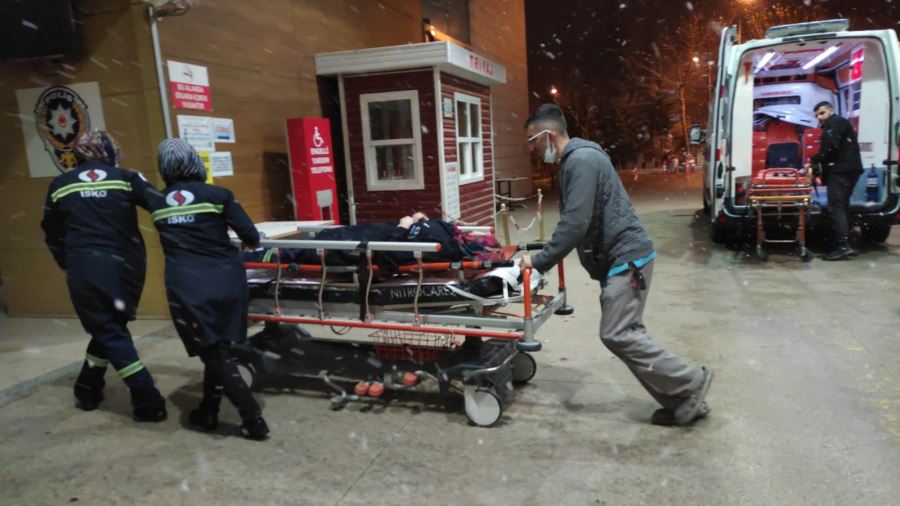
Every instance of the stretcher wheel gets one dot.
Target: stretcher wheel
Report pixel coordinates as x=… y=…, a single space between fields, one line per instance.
x=565 y=310
x=248 y=373
x=483 y=405
x=523 y=367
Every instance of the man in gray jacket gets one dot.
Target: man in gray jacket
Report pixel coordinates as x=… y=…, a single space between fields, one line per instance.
x=597 y=218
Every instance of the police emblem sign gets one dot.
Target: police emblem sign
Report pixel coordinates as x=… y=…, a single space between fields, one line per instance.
x=52 y=119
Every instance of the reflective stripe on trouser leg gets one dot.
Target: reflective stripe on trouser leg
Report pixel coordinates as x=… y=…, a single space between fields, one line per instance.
x=130 y=369
x=94 y=361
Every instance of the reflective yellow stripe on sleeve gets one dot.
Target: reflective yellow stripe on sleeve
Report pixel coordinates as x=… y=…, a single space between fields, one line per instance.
x=168 y=212
x=98 y=185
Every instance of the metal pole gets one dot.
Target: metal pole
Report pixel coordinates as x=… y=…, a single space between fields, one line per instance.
x=161 y=81
x=505 y=221
x=540 y=208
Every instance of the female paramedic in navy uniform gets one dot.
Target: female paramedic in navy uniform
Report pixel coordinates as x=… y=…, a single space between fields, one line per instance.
x=205 y=281
x=91 y=228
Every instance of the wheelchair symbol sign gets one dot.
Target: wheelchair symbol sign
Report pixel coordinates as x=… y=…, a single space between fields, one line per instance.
x=317 y=139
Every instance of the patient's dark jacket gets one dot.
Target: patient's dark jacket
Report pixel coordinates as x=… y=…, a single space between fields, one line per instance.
x=424 y=231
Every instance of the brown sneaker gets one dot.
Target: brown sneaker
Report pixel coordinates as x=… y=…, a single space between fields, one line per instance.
x=666 y=417
x=687 y=411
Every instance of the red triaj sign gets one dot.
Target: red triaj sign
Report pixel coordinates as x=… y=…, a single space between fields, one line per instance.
x=190 y=86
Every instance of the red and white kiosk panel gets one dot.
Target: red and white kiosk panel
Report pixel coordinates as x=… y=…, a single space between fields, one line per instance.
x=311 y=160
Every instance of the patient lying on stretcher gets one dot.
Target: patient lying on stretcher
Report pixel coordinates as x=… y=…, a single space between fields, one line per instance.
x=455 y=244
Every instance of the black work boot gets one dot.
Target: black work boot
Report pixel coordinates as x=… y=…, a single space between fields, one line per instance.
x=206 y=420
x=839 y=253
x=255 y=428
x=149 y=405
x=206 y=416
x=89 y=387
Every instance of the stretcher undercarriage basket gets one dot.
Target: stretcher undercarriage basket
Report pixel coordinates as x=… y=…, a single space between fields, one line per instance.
x=428 y=334
x=780 y=198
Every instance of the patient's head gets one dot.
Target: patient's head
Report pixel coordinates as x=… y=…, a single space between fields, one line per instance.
x=480 y=245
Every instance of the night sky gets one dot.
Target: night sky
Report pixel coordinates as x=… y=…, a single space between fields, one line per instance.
x=586 y=41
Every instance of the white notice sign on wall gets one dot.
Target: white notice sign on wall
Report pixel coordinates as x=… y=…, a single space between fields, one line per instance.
x=198 y=131
x=220 y=163
x=451 y=191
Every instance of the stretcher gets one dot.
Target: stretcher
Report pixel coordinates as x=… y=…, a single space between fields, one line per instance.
x=780 y=197
x=429 y=331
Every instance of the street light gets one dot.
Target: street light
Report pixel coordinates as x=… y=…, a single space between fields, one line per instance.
x=553 y=91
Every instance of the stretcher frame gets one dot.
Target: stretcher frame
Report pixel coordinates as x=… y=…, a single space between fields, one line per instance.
x=782 y=199
x=495 y=353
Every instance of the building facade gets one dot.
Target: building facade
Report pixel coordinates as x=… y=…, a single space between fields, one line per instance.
x=260 y=67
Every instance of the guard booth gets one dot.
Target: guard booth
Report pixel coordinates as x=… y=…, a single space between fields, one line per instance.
x=416 y=123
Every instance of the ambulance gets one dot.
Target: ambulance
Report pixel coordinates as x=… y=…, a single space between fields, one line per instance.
x=762 y=117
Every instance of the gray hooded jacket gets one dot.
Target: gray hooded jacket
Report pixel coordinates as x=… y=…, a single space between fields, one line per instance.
x=595 y=215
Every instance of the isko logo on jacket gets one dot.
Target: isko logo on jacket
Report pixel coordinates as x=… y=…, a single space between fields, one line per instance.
x=182 y=208
x=92 y=176
x=179 y=198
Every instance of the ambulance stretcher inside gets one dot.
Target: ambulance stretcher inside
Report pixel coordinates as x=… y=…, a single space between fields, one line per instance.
x=434 y=323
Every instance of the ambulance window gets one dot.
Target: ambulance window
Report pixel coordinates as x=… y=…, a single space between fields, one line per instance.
x=856 y=89
x=469 y=152
x=392 y=140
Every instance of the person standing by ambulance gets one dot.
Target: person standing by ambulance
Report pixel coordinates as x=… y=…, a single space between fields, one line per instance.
x=841 y=166
x=205 y=281
x=90 y=226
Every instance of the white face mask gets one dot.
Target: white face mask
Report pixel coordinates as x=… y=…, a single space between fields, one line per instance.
x=549 y=151
x=550 y=155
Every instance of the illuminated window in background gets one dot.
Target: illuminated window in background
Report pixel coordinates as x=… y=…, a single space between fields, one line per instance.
x=448 y=16
x=856 y=74
x=392 y=140
x=469 y=153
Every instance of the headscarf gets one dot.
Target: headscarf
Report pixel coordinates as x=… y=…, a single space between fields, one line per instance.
x=479 y=245
x=179 y=161
x=96 y=145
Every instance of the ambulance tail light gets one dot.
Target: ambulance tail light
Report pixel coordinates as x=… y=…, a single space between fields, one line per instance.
x=741 y=185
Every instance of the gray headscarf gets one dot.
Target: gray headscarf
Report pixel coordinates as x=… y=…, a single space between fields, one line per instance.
x=179 y=161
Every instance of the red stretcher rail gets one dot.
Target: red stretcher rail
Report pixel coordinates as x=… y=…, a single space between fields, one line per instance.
x=518 y=336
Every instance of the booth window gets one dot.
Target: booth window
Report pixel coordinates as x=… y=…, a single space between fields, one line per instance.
x=448 y=16
x=392 y=140
x=468 y=138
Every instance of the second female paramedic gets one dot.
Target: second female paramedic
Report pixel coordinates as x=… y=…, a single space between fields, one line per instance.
x=205 y=282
